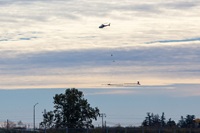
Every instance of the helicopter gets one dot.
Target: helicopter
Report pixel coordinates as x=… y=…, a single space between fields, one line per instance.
x=104 y=25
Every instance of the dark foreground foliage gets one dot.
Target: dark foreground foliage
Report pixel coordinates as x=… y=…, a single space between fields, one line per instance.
x=109 y=130
x=71 y=110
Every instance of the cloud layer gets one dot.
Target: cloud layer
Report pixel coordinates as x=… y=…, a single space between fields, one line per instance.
x=58 y=43
x=93 y=67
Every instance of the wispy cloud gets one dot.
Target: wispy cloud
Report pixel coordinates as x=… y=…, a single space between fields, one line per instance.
x=171 y=90
x=182 y=40
x=112 y=92
x=181 y=5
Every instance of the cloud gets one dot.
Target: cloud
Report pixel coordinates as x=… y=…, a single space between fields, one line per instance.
x=146 y=56
x=182 y=40
x=186 y=90
x=112 y=92
x=152 y=21
x=42 y=10
x=171 y=90
x=58 y=39
x=182 y=5
x=163 y=65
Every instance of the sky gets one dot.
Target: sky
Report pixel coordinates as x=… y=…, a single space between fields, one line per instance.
x=48 y=46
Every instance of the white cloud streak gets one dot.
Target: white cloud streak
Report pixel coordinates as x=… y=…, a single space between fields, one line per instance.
x=171 y=90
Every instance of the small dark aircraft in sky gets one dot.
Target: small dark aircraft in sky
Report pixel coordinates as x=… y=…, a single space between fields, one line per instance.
x=125 y=84
x=104 y=25
x=132 y=84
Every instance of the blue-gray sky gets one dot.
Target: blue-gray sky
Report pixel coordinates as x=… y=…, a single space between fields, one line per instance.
x=57 y=44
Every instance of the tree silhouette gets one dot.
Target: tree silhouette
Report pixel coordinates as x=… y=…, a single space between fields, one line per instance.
x=154 y=120
x=71 y=110
x=171 y=123
x=162 y=120
x=48 y=120
x=187 y=122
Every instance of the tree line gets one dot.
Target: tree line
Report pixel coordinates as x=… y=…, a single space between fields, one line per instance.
x=72 y=110
x=154 y=120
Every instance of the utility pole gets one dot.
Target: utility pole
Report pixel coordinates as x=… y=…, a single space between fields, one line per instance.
x=34 y=116
x=102 y=115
